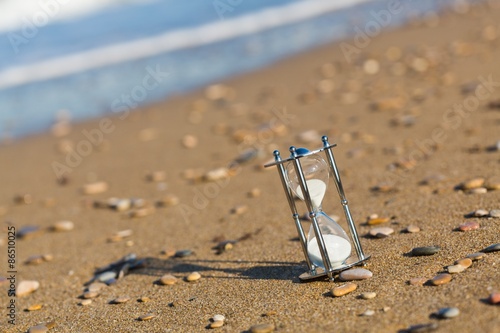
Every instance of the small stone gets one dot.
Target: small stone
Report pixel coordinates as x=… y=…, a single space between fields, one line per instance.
x=491 y=248
x=183 y=253
x=34 y=307
x=120 y=300
x=26 y=287
x=38 y=329
x=239 y=210
x=168 y=280
x=440 y=279
x=378 y=220
x=168 y=200
x=105 y=276
x=216 y=324
x=368 y=295
x=50 y=324
x=465 y=262
x=147 y=316
x=121 y=205
x=216 y=174
x=95 y=188
x=344 y=289
x=141 y=212
x=256 y=192
x=371 y=66
x=446 y=313
x=476 y=256
x=355 y=274
x=479 y=213
x=367 y=313
x=262 y=328
x=189 y=141
x=218 y=317
x=270 y=313
x=23 y=199
x=85 y=302
x=144 y=299
x=453 y=269
x=90 y=294
x=418 y=281
x=34 y=260
x=494 y=213
x=494 y=298
x=421 y=328
x=28 y=231
x=381 y=232
x=479 y=190
x=194 y=276
x=425 y=250
x=472 y=183
x=63 y=226
x=96 y=286
x=412 y=229
x=468 y=226
x=386 y=308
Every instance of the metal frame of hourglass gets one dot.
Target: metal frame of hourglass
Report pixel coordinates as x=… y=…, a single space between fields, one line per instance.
x=353 y=259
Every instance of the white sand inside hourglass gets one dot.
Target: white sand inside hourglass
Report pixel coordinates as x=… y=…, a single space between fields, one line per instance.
x=317 y=189
x=338 y=249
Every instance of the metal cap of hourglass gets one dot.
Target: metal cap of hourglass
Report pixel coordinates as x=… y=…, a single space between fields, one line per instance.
x=315 y=272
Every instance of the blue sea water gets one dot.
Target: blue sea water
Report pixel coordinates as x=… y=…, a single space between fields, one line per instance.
x=123 y=54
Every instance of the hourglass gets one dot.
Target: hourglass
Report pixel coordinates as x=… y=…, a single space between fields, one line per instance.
x=327 y=248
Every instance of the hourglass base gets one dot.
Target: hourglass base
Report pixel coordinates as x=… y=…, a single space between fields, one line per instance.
x=320 y=272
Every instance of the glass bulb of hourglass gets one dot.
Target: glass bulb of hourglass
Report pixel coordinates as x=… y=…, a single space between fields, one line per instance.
x=316 y=174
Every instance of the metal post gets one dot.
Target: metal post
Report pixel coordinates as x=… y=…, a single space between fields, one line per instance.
x=293 y=208
x=343 y=199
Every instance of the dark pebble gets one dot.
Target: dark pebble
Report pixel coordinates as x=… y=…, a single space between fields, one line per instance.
x=421 y=328
x=492 y=248
x=425 y=250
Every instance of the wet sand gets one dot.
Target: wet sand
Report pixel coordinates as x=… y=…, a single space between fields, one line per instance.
x=394 y=130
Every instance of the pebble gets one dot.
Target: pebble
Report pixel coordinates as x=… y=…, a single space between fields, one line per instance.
x=34 y=260
x=254 y=193
x=425 y=250
x=218 y=317
x=144 y=299
x=262 y=328
x=183 y=253
x=63 y=226
x=38 y=329
x=492 y=248
x=368 y=295
x=34 y=307
x=239 y=210
x=28 y=231
x=121 y=205
x=478 y=213
x=418 y=281
x=23 y=199
x=216 y=324
x=472 y=183
x=378 y=220
x=26 y=287
x=381 y=232
x=446 y=313
x=189 y=141
x=120 y=300
x=494 y=213
x=355 y=274
x=465 y=262
x=90 y=294
x=476 y=256
x=494 y=298
x=468 y=226
x=412 y=229
x=367 y=313
x=95 y=188
x=216 y=174
x=105 y=276
x=85 y=302
x=168 y=280
x=194 y=276
x=168 y=201
x=96 y=286
x=440 y=279
x=453 y=269
x=344 y=289
x=421 y=328
x=147 y=316
x=479 y=190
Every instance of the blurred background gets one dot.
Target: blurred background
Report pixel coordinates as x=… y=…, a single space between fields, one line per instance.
x=84 y=59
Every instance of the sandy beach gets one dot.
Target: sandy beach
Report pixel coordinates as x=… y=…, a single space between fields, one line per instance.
x=415 y=113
